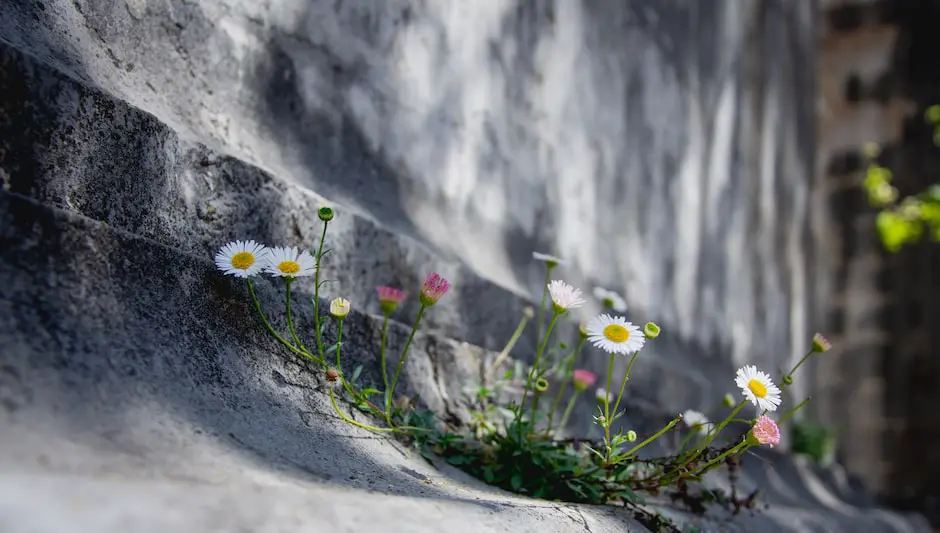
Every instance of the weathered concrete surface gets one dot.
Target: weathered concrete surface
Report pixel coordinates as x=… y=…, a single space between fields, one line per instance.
x=134 y=374
x=134 y=397
x=665 y=147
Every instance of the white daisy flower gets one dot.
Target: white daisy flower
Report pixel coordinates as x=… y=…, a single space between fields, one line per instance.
x=550 y=260
x=614 y=334
x=289 y=262
x=758 y=388
x=241 y=259
x=696 y=421
x=602 y=395
x=564 y=296
x=611 y=299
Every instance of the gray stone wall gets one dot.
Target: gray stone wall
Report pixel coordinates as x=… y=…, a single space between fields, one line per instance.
x=665 y=147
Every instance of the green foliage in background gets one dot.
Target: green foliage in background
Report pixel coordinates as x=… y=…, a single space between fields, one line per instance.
x=903 y=221
x=814 y=440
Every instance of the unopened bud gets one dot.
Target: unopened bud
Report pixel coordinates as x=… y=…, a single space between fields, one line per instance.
x=332 y=375
x=728 y=400
x=529 y=311
x=651 y=330
x=821 y=343
x=325 y=214
x=631 y=436
x=541 y=385
x=787 y=379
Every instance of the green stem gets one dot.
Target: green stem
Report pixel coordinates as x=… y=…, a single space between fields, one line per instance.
x=509 y=346
x=353 y=422
x=793 y=371
x=568 y=409
x=624 y=384
x=707 y=466
x=658 y=434
x=541 y=317
x=316 y=292
x=401 y=362
x=703 y=444
x=290 y=319
x=339 y=342
x=566 y=378
x=791 y=412
x=382 y=352
x=535 y=366
x=264 y=319
x=610 y=374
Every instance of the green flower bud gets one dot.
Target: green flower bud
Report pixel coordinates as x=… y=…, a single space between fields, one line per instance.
x=728 y=400
x=631 y=436
x=651 y=330
x=787 y=379
x=325 y=214
x=541 y=385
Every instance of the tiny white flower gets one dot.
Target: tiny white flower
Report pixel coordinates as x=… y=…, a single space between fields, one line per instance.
x=611 y=299
x=289 y=262
x=550 y=260
x=339 y=307
x=241 y=259
x=758 y=388
x=602 y=395
x=615 y=335
x=564 y=296
x=696 y=421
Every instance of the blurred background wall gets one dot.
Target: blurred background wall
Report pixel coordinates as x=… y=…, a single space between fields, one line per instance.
x=878 y=71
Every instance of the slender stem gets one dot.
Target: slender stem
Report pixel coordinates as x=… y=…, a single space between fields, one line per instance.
x=541 y=317
x=685 y=441
x=703 y=444
x=793 y=411
x=509 y=346
x=290 y=320
x=401 y=362
x=658 y=434
x=339 y=342
x=316 y=292
x=568 y=409
x=624 y=384
x=566 y=378
x=353 y=422
x=382 y=352
x=264 y=319
x=803 y=360
x=707 y=466
x=610 y=373
x=535 y=366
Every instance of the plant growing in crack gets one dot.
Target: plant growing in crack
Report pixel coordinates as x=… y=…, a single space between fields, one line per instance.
x=513 y=438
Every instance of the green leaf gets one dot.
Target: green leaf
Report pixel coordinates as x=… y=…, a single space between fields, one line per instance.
x=355 y=374
x=333 y=348
x=488 y=474
x=516 y=482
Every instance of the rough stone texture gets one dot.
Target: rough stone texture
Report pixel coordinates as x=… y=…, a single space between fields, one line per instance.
x=665 y=147
x=132 y=373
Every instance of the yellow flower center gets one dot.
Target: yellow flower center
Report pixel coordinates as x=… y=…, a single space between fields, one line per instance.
x=243 y=260
x=757 y=388
x=616 y=333
x=289 y=267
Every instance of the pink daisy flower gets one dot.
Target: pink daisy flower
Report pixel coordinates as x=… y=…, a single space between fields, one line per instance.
x=583 y=379
x=433 y=288
x=765 y=431
x=389 y=297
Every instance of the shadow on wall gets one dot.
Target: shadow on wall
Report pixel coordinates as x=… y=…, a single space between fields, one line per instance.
x=664 y=147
